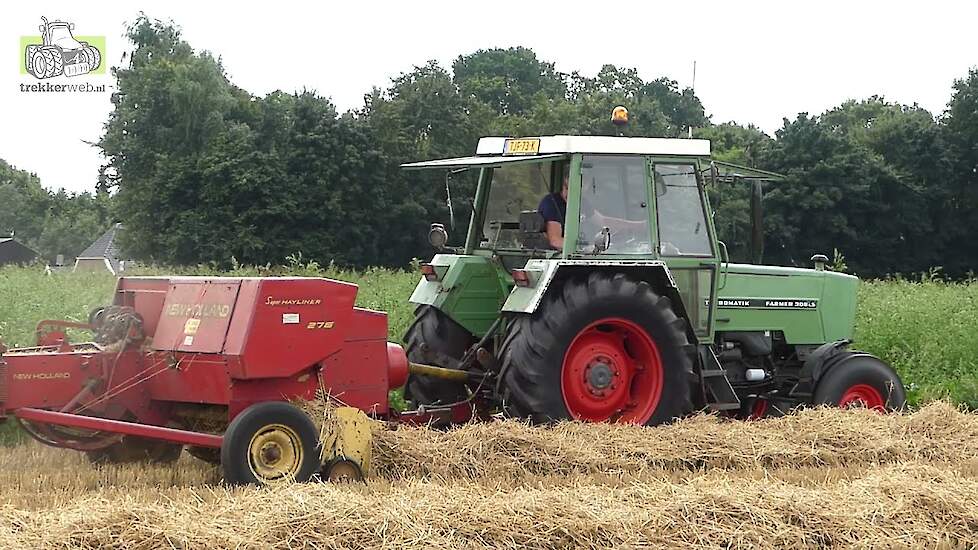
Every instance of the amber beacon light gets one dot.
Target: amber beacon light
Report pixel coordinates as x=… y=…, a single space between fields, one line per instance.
x=619 y=116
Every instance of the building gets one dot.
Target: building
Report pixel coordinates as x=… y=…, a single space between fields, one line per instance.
x=14 y=252
x=102 y=254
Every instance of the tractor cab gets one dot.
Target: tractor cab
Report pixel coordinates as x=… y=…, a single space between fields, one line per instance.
x=616 y=197
x=627 y=199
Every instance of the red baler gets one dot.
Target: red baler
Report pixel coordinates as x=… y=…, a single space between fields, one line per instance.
x=211 y=363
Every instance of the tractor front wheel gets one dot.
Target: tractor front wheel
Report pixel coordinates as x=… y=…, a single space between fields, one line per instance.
x=603 y=349
x=269 y=443
x=861 y=381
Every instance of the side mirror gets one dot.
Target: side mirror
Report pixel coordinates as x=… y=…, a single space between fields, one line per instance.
x=602 y=241
x=820 y=261
x=757 y=222
x=437 y=236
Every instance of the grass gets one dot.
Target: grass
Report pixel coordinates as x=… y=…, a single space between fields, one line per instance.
x=928 y=330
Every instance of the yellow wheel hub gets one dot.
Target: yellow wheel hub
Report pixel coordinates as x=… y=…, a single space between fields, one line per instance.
x=275 y=453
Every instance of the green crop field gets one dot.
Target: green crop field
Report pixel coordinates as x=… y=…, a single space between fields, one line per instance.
x=927 y=329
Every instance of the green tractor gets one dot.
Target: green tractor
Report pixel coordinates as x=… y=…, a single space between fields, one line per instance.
x=618 y=303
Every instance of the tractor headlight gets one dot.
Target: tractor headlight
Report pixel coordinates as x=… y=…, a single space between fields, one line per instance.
x=437 y=236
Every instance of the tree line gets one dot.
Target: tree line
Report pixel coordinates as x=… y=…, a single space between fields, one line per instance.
x=202 y=171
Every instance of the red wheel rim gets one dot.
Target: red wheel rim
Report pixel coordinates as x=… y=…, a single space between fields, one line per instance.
x=612 y=371
x=863 y=395
x=759 y=409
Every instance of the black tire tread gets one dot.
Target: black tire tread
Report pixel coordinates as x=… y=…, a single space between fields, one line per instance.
x=861 y=369
x=234 y=450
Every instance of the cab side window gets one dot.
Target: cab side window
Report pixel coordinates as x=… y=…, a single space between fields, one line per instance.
x=614 y=194
x=681 y=218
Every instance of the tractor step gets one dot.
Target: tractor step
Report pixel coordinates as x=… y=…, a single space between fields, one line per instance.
x=719 y=393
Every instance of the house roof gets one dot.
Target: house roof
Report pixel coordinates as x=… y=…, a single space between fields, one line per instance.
x=12 y=250
x=105 y=246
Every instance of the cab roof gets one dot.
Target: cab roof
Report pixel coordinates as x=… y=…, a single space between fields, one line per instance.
x=497 y=151
x=603 y=145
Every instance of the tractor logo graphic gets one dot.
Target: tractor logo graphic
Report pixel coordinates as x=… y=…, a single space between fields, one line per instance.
x=59 y=53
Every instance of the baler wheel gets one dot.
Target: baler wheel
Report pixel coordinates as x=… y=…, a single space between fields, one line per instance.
x=863 y=381
x=269 y=443
x=432 y=335
x=607 y=348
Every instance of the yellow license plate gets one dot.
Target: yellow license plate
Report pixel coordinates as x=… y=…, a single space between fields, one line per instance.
x=521 y=146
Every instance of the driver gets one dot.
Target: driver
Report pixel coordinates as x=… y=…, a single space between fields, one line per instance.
x=553 y=208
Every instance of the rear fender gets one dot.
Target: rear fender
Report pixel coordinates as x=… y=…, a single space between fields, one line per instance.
x=547 y=274
x=469 y=289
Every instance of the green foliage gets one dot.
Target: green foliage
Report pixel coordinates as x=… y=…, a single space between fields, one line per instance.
x=959 y=207
x=868 y=178
x=203 y=171
x=926 y=329
x=507 y=81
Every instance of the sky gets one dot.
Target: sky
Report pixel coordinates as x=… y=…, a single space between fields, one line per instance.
x=756 y=62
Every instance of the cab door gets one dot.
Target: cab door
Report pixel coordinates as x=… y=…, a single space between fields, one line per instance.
x=686 y=239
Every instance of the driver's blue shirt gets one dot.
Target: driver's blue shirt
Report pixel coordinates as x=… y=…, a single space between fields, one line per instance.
x=553 y=208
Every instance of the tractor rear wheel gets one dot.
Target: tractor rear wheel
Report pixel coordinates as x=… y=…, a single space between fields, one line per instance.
x=862 y=381
x=131 y=449
x=603 y=349
x=268 y=443
x=432 y=338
